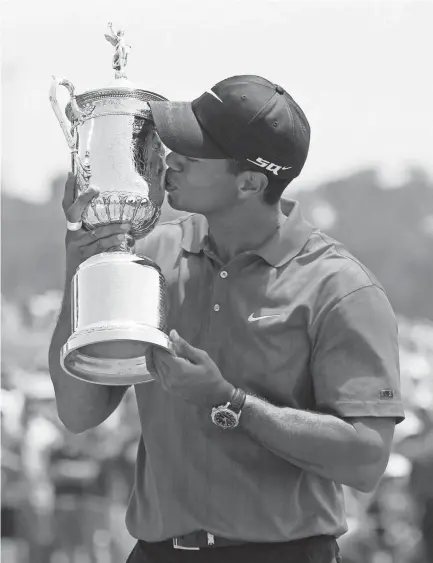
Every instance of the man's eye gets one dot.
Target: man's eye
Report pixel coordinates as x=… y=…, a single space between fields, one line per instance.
x=192 y=159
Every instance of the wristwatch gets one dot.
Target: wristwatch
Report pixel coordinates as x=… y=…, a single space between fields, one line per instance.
x=227 y=416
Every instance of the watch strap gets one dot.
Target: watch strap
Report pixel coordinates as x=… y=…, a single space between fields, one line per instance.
x=238 y=400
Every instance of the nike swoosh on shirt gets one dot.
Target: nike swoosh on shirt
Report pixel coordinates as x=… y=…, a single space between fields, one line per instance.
x=252 y=318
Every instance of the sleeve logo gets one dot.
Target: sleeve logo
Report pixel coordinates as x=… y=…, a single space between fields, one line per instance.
x=386 y=394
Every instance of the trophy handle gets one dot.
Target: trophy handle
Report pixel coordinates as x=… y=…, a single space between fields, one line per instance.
x=76 y=112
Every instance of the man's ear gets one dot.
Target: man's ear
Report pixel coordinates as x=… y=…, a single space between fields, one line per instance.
x=250 y=183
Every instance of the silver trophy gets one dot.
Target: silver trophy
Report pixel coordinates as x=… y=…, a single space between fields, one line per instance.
x=118 y=297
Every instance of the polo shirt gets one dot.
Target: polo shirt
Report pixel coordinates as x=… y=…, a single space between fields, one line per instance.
x=299 y=322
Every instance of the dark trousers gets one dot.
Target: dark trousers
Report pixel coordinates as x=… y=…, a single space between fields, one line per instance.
x=319 y=549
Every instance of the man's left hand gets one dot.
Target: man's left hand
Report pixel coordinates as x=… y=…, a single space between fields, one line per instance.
x=191 y=374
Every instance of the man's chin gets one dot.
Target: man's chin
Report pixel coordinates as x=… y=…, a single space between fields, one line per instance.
x=173 y=203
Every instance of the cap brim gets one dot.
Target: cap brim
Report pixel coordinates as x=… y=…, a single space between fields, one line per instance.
x=180 y=131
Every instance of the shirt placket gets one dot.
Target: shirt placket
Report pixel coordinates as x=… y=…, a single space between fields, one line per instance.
x=220 y=311
x=218 y=317
x=218 y=303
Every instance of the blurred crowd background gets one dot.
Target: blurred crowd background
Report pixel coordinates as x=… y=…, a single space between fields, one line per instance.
x=64 y=496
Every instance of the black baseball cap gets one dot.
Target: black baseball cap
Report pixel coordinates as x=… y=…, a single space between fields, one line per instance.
x=245 y=118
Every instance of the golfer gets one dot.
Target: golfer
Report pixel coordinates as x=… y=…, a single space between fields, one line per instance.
x=284 y=384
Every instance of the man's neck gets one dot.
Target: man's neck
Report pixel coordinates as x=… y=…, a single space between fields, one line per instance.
x=243 y=229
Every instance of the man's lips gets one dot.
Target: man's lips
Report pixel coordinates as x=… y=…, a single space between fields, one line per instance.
x=168 y=186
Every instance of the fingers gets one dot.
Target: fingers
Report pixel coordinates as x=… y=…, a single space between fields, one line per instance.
x=74 y=212
x=171 y=370
x=106 y=231
x=84 y=237
x=160 y=367
x=69 y=195
x=72 y=207
x=183 y=349
x=98 y=245
x=83 y=244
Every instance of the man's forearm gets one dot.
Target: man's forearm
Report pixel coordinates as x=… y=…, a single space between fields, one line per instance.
x=80 y=405
x=321 y=443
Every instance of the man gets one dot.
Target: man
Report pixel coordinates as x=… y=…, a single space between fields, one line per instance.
x=284 y=384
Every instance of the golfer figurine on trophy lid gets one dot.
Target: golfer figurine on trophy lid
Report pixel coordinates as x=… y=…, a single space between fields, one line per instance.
x=118 y=297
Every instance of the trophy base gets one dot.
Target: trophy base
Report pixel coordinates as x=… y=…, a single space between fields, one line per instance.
x=116 y=355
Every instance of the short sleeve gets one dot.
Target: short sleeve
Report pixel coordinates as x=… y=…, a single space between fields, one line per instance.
x=355 y=358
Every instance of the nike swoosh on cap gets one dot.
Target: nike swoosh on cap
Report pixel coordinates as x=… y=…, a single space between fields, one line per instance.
x=212 y=93
x=252 y=318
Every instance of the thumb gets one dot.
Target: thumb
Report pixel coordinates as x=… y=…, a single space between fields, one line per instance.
x=76 y=209
x=183 y=349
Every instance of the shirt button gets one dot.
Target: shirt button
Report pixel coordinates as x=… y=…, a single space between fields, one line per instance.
x=223 y=274
x=216 y=308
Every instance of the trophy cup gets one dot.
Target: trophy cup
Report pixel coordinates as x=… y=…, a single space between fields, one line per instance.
x=118 y=297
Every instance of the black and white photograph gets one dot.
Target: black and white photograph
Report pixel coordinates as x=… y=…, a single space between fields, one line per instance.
x=217 y=281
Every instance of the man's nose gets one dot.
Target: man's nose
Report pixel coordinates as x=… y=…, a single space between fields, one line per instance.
x=174 y=161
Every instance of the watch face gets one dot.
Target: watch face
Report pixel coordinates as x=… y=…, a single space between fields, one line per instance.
x=225 y=418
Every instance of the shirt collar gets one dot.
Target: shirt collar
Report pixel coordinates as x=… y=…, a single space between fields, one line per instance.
x=282 y=247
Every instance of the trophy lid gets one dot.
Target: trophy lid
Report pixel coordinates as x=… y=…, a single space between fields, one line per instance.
x=111 y=99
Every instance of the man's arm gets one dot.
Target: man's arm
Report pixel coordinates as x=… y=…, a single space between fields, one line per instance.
x=355 y=375
x=354 y=371
x=352 y=452
x=81 y=405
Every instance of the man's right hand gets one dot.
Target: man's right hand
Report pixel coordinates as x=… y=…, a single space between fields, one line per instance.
x=82 y=244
